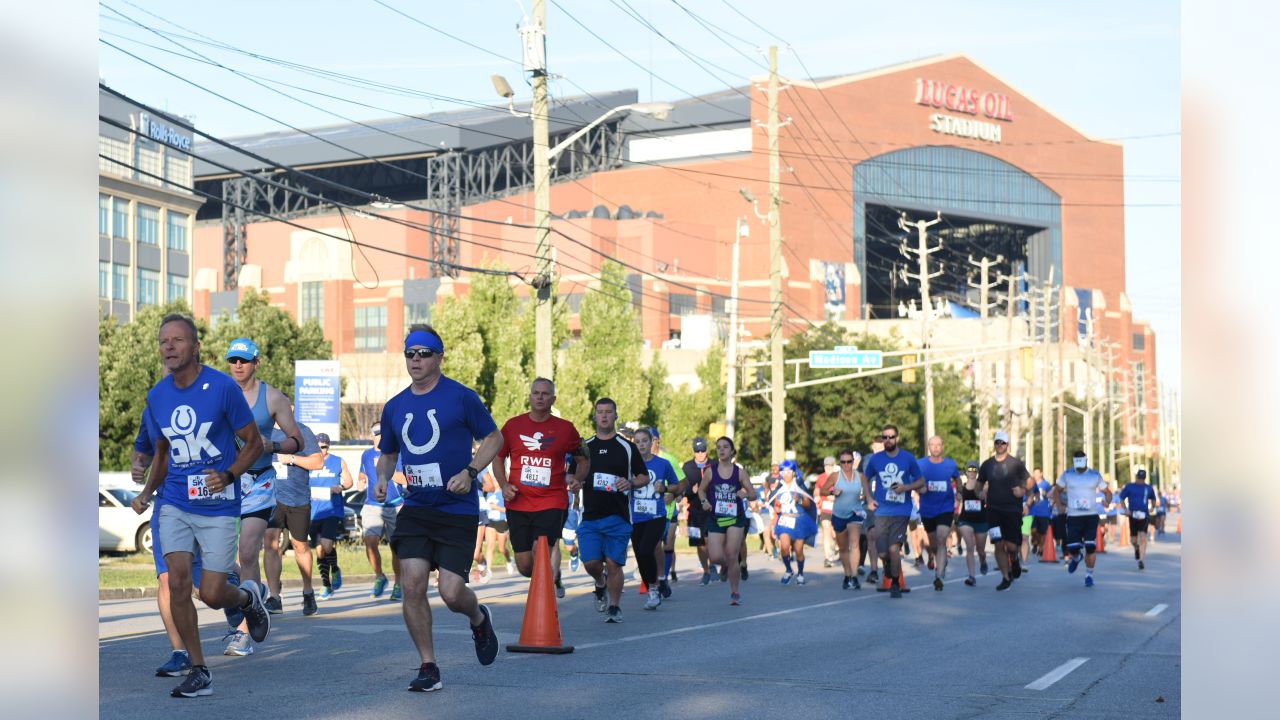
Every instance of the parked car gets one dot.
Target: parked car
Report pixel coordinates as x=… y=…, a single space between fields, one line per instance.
x=120 y=529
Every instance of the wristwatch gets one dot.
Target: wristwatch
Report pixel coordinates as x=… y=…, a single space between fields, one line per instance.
x=472 y=472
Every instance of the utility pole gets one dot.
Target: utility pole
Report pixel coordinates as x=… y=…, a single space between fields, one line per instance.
x=1011 y=300
x=1062 y=377
x=923 y=251
x=979 y=369
x=1088 y=394
x=778 y=396
x=534 y=40
x=1111 y=416
x=730 y=401
x=1046 y=434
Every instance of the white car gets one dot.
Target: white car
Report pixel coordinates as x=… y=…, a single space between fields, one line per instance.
x=119 y=527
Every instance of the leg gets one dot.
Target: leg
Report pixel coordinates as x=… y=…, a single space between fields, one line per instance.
x=302 y=556
x=842 y=547
x=715 y=545
x=166 y=613
x=182 y=610
x=459 y=598
x=940 y=555
x=872 y=542
x=251 y=533
x=272 y=560
x=417 y=610
x=372 y=551
x=733 y=538
x=1002 y=557
x=966 y=533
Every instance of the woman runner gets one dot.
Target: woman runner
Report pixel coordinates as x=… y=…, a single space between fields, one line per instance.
x=795 y=524
x=973 y=521
x=847 y=514
x=724 y=487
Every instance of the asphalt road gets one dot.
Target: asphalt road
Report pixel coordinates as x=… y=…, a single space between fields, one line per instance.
x=1049 y=647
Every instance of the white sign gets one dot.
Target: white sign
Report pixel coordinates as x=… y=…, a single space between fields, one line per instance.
x=317 y=395
x=846 y=356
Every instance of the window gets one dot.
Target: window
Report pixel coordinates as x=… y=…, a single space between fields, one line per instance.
x=148 y=287
x=120 y=218
x=683 y=304
x=1139 y=341
x=177 y=289
x=177 y=169
x=416 y=313
x=104 y=214
x=719 y=305
x=104 y=279
x=148 y=224
x=149 y=165
x=312 y=305
x=371 y=329
x=120 y=282
x=176 y=231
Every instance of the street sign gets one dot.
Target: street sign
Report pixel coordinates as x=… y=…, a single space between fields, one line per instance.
x=846 y=356
x=317 y=395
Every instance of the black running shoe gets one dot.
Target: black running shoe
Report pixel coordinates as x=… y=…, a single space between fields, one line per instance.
x=894 y=592
x=674 y=578
x=1005 y=584
x=745 y=575
x=1015 y=569
x=197 y=682
x=485 y=638
x=856 y=585
x=273 y=605
x=664 y=589
x=1142 y=565
x=937 y=584
x=874 y=577
x=428 y=679
x=614 y=615
x=309 y=604
x=845 y=584
x=724 y=573
x=601 y=602
x=256 y=614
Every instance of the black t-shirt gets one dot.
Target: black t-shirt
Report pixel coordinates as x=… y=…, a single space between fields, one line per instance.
x=609 y=457
x=693 y=475
x=1001 y=477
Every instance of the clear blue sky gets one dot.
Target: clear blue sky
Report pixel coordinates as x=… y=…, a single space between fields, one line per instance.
x=1111 y=69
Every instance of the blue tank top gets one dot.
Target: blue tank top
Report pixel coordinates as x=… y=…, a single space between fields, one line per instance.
x=723 y=493
x=324 y=502
x=262 y=418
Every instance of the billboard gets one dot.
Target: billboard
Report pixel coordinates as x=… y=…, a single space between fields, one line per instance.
x=317 y=395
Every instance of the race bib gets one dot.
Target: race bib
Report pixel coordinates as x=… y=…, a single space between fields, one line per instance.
x=828 y=502
x=937 y=486
x=535 y=476
x=787 y=521
x=198 y=491
x=972 y=505
x=893 y=496
x=695 y=533
x=1082 y=504
x=647 y=506
x=1139 y=515
x=246 y=483
x=321 y=493
x=994 y=532
x=727 y=508
x=423 y=476
x=604 y=482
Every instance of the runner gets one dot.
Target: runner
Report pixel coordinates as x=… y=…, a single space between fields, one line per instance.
x=1040 y=512
x=293 y=513
x=537 y=444
x=328 y=508
x=570 y=533
x=938 y=506
x=692 y=473
x=649 y=517
x=868 y=537
x=1162 y=510
x=830 y=553
x=890 y=477
x=672 y=500
x=430 y=425
x=205 y=431
x=379 y=518
x=973 y=521
x=1139 y=499
x=724 y=487
x=795 y=526
x=847 y=514
x=615 y=468
x=1077 y=492
x=497 y=530
x=1004 y=476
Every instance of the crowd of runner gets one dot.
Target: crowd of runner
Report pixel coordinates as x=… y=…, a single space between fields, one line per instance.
x=229 y=469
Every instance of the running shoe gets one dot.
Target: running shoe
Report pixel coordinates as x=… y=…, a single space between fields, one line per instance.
x=574 y=561
x=1005 y=584
x=273 y=605
x=1135 y=552
x=674 y=578
x=799 y=578
x=1142 y=565
x=724 y=573
x=601 y=602
x=238 y=644
x=337 y=579
x=895 y=592
x=937 y=584
x=379 y=586
x=970 y=581
x=845 y=585
x=326 y=593
x=706 y=579
x=614 y=615
x=664 y=589
x=428 y=679
x=856 y=585
x=786 y=578
x=198 y=682
x=256 y=615
x=983 y=566
x=874 y=577
x=179 y=663
x=1088 y=581
x=309 y=603
x=862 y=570
x=511 y=568
x=559 y=587
x=485 y=638
x=396 y=593
x=745 y=575
x=654 y=600
x=1015 y=569
x=735 y=599
x=826 y=563
x=932 y=565
x=1075 y=563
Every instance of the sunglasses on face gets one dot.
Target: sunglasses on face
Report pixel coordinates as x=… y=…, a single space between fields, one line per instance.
x=1001 y=442
x=324 y=447
x=240 y=361
x=846 y=462
x=421 y=352
x=890 y=437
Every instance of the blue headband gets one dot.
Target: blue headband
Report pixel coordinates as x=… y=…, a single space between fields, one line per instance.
x=425 y=339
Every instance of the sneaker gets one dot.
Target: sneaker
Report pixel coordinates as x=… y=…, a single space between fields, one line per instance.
x=614 y=615
x=826 y=564
x=664 y=589
x=845 y=585
x=970 y=581
x=799 y=578
x=1142 y=565
x=1088 y=581
x=983 y=567
x=511 y=568
x=256 y=615
x=1005 y=584
x=198 y=682
x=559 y=588
x=1015 y=569
x=273 y=605
x=601 y=601
x=234 y=616
x=485 y=576
x=874 y=577
x=179 y=663
x=856 y=585
x=238 y=644
x=735 y=599
x=574 y=561
x=744 y=574
x=895 y=592
x=1075 y=563
x=932 y=565
x=786 y=579
x=654 y=600
x=396 y=593
x=309 y=603
x=861 y=570
x=937 y=584
x=326 y=593
x=337 y=579
x=1135 y=553
x=379 y=586
x=428 y=679
x=706 y=579
x=485 y=638
x=675 y=579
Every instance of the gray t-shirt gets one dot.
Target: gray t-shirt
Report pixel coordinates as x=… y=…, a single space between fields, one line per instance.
x=1081 y=492
x=294 y=487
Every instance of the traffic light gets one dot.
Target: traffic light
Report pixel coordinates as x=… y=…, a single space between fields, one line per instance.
x=1027 y=356
x=909 y=374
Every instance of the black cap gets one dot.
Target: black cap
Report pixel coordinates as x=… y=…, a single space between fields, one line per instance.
x=1142 y=474
x=971 y=464
x=699 y=444
x=322 y=438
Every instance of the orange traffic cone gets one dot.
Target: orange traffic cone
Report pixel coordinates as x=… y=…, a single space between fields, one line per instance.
x=1049 y=555
x=1122 y=536
x=1101 y=546
x=1179 y=530
x=540 y=631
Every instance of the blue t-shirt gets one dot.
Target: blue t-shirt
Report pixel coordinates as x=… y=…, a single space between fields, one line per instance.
x=433 y=434
x=324 y=502
x=143 y=442
x=884 y=472
x=1041 y=508
x=495 y=505
x=200 y=423
x=941 y=496
x=369 y=466
x=1135 y=496
x=646 y=502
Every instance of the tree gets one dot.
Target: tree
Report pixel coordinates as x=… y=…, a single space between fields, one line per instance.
x=689 y=413
x=279 y=338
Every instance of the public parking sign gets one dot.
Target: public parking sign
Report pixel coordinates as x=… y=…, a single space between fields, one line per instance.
x=845 y=356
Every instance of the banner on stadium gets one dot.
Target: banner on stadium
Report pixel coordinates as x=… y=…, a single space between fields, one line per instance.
x=317 y=395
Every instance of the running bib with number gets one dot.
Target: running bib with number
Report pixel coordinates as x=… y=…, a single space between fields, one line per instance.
x=423 y=476
x=893 y=496
x=321 y=493
x=246 y=483
x=787 y=521
x=828 y=503
x=535 y=476
x=729 y=508
x=695 y=533
x=937 y=486
x=1082 y=504
x=198 y=490
x=994 y=532
x=972 y=505
x=1139 y=515
x=604 y=482
x=648 y=506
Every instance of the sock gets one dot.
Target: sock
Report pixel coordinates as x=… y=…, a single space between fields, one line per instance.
x=786 y=562
x=670 y=556
x=248 y=601
x=1088 y=571
x=800 y=566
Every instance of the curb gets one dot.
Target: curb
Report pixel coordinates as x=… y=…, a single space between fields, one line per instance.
x=138 y=593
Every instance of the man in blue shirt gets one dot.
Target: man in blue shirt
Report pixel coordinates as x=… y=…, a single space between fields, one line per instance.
x=205 y=430
x=379 y=518
x=890 y=477
x=938 y=506
x=429 y=428
x=1138 y=500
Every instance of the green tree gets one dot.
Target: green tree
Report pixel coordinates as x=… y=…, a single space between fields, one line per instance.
x=455 y=319
x=279 y=338
x=690 y=413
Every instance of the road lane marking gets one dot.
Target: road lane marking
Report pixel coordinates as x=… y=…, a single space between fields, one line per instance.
x=1157 y=610
x=1057 y=673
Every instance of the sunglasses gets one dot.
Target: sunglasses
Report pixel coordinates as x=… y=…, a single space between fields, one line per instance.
x=422 y=353
x=324 y=447
x=889 y=437
x=239 y=361
x=846 y=462
x=1001 y=442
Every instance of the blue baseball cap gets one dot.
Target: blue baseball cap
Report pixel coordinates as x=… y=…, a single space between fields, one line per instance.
x=242 y=348
x=789 y=464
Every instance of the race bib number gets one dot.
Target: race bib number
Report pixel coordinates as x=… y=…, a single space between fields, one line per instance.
x=197 y=490
x=604 y=482
x=1139 y=515
x=937 y=486
x=423 y=476
x=994 y=532
x=787 y=521
x=972 y=505
x=728 y=508
x=1082 y=504
x=321 y=494
x=246 y=483
x=893 y=496
x=828 y=502
x=535 y=476
x=647 y=506
x=695 y=533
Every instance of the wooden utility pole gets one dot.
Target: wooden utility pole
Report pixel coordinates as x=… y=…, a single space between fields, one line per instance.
x=923 y=251
x=541 y=204
x=777 y=395
x=730 y=399
x=1046 y=433
x=1011 y=300
x=979 y=366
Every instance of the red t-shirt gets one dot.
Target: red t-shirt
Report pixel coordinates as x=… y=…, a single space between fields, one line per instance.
x=538 y=463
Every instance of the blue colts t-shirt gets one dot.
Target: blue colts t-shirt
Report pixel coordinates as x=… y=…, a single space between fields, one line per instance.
x=369 y=466
x=433 y=434
x=324 y=502
x=646 y=502
x=200 y=423
x=938 y=480
x=1135 y=496
x=885 y=473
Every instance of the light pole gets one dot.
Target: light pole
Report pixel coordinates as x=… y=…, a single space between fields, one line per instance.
x=730 y=401
x=777 y=389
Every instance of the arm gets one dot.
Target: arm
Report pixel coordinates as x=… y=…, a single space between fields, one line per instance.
x=362 y=481
x=499 y=472
x=1055 y=495
x=386 y=467
x=870 y=503
x=311 y=462
x=159 y=468
x=138 y=468
x=344 y=480
x=249 y=451
x=282 y=413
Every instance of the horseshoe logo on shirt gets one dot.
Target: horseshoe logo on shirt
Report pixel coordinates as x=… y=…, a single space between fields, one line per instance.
x=435 y=434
